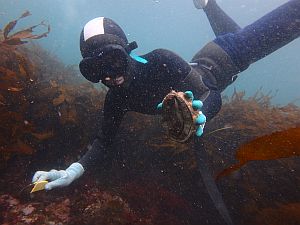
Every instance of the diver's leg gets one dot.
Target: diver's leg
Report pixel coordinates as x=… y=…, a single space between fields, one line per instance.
x=266 y=35
x=220 y=22
x=200 y=4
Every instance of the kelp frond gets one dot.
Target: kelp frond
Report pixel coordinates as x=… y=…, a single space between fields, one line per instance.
x=22 y=36
x=281 y=144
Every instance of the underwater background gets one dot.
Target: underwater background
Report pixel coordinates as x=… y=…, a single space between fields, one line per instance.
x=49 y=115
x=170 y=24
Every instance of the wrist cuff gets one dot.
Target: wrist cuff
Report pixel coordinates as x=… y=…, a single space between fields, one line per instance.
x=75 y=170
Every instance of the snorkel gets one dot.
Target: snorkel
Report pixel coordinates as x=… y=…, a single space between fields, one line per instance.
x=129 y=49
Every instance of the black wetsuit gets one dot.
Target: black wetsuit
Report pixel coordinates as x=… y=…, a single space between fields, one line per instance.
x=217 y=64
x=165 y=71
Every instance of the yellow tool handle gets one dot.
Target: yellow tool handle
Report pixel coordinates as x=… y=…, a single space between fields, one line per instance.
x=39 y=185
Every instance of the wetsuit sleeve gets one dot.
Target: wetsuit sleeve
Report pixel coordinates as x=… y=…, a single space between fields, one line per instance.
x=168 y=68
x=212 y=104
x=100 y=150
x=178 y=74
x=203 y=85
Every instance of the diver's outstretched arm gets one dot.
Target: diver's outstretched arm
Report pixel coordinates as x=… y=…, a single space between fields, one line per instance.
x=220 y=22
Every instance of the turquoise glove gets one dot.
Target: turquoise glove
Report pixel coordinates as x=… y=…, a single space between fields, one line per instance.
x=201 y=119
x=59 y=178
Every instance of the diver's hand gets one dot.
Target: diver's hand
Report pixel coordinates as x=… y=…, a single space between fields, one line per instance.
x=59 y=178
x=201 y=119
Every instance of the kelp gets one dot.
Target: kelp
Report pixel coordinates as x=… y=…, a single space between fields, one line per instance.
x=34 y=97
x=10 y=26
x=255 y=116
x=16 y=76
x=259 y=183
x=22 y=36
x=281 y=144
x=246 y=119
x=34 y=102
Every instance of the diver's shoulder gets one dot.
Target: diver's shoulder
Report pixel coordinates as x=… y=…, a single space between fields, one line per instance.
x=164 y=52
x=161 y=54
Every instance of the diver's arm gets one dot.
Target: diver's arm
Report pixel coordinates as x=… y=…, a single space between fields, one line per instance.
x=212 y=100
x=98 y=153
x=204 y=88
x=211 y=104
x=201 y=81
x=180 y=76
x=167 y=67
x=177 y=72
x=100 y=149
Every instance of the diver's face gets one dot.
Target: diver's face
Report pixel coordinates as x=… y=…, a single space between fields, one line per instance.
x=114 y=81
x=114 y=69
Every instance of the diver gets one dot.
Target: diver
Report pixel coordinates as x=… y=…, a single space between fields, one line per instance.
x=140 y=83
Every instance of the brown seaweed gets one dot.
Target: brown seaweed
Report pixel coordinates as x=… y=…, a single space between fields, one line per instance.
x=281 y=144
x=11 y=25
x=32 y=92
x=22 y=36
